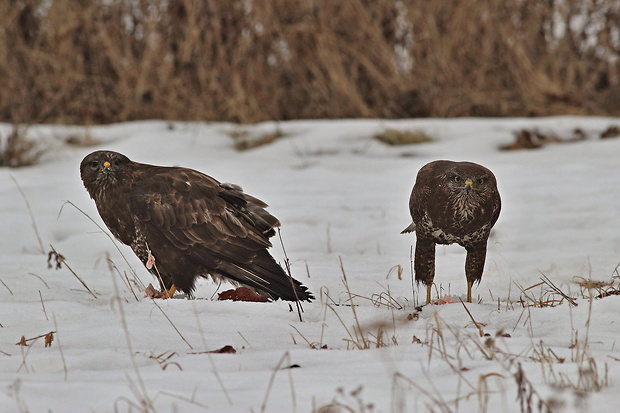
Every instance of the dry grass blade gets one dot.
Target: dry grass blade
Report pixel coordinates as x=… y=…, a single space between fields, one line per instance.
x=60 y=260
x=135 y=275
x=527 y=394
x=384 y=299
x=398 y=269
x=49 y=338
x=244 y=339
x=436 y=342
x=163 y=360
x=547 y=281
x=346 y=286
x=547 y=298
x=209 y=356
x=480 y=331
x=123 y=276
x=141 y=393
x=435 y=398
x=184 y=399
x=62 y=354
x=172 y=324
x=43 y=305
x=352 y=402
x=290 y=277
x=15 y=388
x=285 y=357
x=412 y=273
x=34 y=223
x=313 y=345
x=6 y=286
x=359 y=337
x=352 y=339
x=41 y=279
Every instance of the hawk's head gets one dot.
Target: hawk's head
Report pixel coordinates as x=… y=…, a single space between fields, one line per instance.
x=102 y=169
x=469 y=183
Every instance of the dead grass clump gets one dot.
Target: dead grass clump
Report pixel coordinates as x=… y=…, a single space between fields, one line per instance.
x=543 y=294
x=163 y=359
x=111 y=61
x=529 y=399
x=244 y=142
x=347 y=402
x=598 y=289
x=611 y=132
x=535 y=138
x=58 y=260
x=581 y=372
x=17 y=150
x=82 y=139
x=227 y=349
x=397 y=137
x=48 y=338
x=589 y=377
x=531 y=139
x=359 y=336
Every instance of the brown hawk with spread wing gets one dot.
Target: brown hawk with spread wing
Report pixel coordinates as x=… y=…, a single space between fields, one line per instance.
x=183 y=224
x=452 y=202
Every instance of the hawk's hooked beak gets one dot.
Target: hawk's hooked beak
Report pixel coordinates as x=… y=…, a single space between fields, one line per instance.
x=469 y=184
x=106 y=167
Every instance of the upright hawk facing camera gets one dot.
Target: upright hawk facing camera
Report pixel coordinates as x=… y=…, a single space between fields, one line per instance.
x=183 y=224
x=452 y=202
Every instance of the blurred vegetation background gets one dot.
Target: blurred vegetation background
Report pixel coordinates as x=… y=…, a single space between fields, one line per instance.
x=101 y=61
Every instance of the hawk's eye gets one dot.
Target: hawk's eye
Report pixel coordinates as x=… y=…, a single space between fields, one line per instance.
x=94 y=164
x=480 y=181
x=117 y=162
x=457 y=178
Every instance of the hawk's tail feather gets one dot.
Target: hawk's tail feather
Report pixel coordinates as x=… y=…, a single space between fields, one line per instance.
x=266 y=276
x=410 y=228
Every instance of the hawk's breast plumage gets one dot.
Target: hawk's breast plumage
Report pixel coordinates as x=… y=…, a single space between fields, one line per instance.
x=183 y=224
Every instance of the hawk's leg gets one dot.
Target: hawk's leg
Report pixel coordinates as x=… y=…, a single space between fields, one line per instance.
x=163 y=294
x=428 y=293
x=164 y=291
x=424 y=264
x=474 y=264
x=469 y=285
x=170 y=292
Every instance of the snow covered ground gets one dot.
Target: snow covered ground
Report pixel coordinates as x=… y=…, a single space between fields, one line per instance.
x=342 y=198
